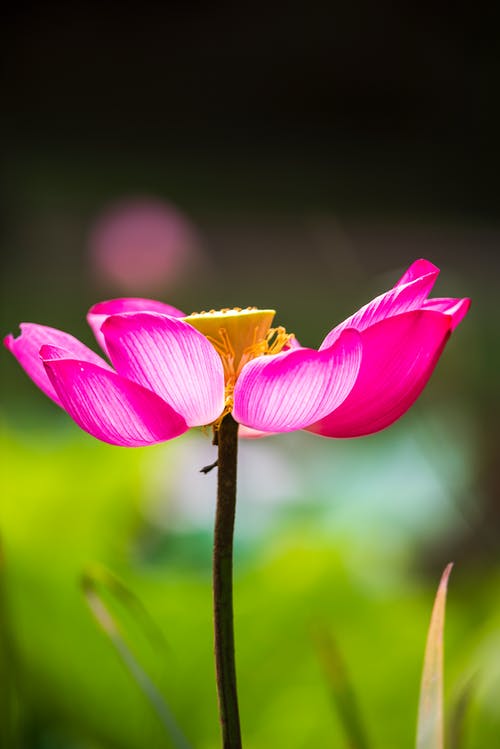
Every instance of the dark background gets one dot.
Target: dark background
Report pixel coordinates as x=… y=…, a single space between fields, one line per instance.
x=356 y=137
x=404 y=99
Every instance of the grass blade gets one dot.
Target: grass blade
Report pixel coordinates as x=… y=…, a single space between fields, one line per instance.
x=341 y=690
x=456 y=725
x=430 y=731
x=97 y=576
x=91 y=582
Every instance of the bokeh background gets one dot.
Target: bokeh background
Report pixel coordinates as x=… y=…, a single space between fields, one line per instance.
x=290 y=157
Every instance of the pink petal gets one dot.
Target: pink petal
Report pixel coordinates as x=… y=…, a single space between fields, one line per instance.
x=171 y=358
x=252 y=434
x=455 y=308
x=108 y=406
x=399 y=355
x=401 y=298
x=26 y=349
x=290 y=390
x=418 y=269
x=99 y=312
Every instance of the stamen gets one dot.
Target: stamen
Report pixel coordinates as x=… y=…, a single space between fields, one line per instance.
x=277 y=339
x=239 y=335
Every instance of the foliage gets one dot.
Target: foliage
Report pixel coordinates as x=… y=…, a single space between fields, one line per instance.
x=72 y=502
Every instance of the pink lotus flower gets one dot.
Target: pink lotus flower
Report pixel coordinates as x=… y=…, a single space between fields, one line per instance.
x=171 y=372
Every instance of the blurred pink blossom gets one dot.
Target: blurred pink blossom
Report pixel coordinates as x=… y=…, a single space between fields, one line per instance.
x=143 y=245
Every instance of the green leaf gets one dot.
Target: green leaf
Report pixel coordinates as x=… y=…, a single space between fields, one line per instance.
x=430 y=731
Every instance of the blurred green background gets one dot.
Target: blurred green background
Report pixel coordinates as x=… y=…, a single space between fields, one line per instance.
x=299 y=161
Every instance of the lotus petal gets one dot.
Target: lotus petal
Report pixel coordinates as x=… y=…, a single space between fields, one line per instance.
x=26 y=349
x=399 y=355
x=172 y=359
x=290 y=390
x=252 y=434
x=108 y=406
x=418 y=269
x=99 y=312
x=403 y=297
x=455 y=308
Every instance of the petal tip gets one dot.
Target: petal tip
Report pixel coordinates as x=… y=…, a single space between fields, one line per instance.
x=418 y=269
x=460 y=311
x=8 y=342
x=399 y=355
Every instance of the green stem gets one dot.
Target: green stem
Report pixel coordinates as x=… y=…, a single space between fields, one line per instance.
x=227 y=437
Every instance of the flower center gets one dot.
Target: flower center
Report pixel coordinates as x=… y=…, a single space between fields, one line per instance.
x=239 y=335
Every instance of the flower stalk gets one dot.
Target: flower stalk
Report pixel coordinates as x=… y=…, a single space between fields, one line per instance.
x=227 y=440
